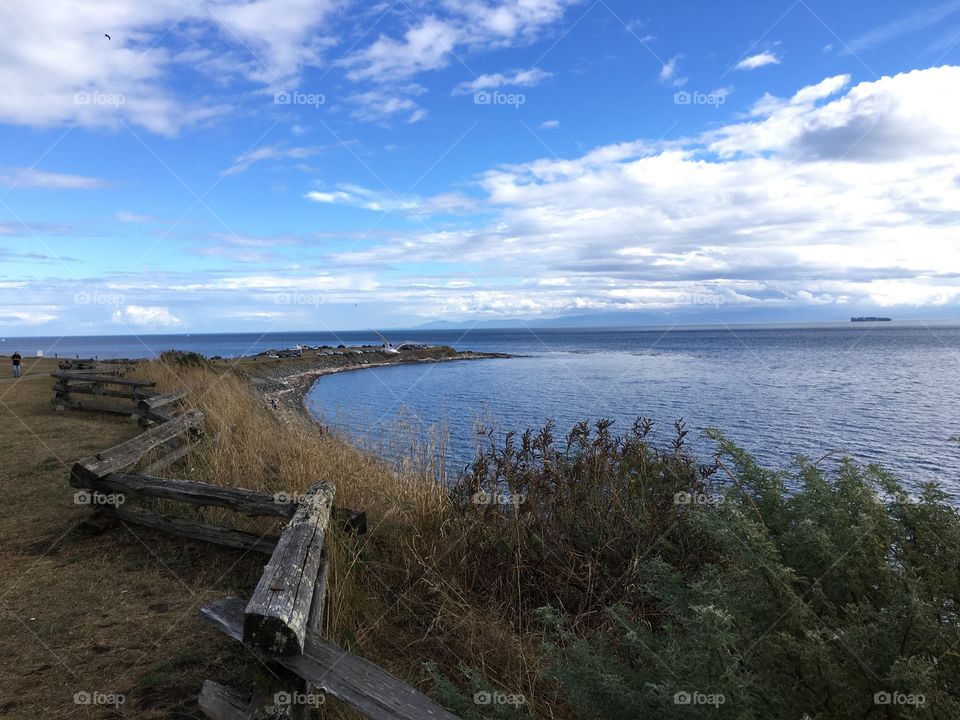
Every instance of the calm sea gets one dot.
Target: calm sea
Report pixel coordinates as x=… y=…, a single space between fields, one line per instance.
x=884 y=392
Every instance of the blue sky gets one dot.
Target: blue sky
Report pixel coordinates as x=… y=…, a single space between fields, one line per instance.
x=326 y=164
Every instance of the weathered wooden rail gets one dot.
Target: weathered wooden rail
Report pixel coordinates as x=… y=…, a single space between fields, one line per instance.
x=283 y=620
x=282 y=623
x=107 y=391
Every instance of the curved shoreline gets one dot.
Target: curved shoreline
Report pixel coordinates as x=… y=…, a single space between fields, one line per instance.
x=285 y=385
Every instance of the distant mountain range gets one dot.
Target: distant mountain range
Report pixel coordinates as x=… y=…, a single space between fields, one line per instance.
x=706 y=316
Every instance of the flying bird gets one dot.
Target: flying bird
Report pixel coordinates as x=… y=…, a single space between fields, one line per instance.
x=386 y=347
x=107 y=36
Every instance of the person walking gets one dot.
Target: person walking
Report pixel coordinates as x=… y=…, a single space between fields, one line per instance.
x=15 y=358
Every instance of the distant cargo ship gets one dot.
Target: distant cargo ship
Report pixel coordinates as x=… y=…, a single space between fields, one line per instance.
x=869 y=319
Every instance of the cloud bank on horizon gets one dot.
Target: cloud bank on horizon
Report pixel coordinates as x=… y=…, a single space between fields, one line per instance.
x=328 y=164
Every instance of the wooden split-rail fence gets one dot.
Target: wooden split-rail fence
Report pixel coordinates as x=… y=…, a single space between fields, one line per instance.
x=282 y=622
x=107 y=391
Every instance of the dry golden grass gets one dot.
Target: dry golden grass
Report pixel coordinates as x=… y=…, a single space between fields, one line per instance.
x=116 y=612
x=397 y=593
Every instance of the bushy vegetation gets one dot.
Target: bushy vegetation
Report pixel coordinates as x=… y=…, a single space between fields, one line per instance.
x=597 y=575
x=184 y=358
x=669 y=590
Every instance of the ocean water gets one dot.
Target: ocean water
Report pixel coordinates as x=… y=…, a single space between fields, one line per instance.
x=887 y=393
x=878 y=392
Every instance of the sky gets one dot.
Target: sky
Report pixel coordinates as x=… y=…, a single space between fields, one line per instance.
x=267 y=165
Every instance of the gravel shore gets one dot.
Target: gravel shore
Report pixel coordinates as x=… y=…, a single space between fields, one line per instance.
x=283 y=382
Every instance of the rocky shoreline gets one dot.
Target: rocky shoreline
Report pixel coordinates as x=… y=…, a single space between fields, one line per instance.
x=284 y=382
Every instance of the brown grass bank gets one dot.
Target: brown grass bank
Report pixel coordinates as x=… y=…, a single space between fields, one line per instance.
x=115 y=612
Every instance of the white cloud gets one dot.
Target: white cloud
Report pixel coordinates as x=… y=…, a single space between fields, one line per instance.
x=281 y=35
x=27 y=317
x=669 y=72
x=905 y=25
x=757 y=61
x=145 y=316
x=129 y=217
x=270 y=152
x=426 y=46
x=32 y=178
x=451 y=203
x=468 y=25
x=837 y=195
x=58 y=68
x=382 y=105
x=519 y=78
x=549 y=124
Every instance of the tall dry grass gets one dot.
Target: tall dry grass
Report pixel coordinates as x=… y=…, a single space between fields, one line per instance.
x=399 y=595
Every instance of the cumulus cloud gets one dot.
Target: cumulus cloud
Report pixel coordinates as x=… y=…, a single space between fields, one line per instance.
x=757 y=61
x=381 y=105
x=434 y=40
x=145 y=316
x=801 y=204
x=58 y=67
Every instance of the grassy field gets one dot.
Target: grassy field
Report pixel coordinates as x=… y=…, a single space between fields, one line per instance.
x=115 y=612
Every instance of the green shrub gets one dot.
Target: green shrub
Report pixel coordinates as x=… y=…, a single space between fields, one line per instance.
x=828 y=597
x=184 y=358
